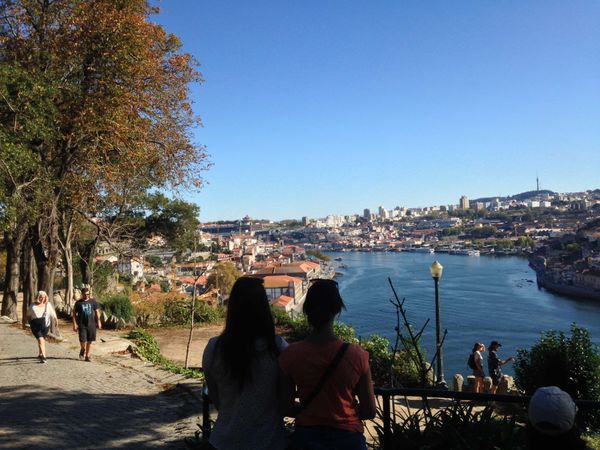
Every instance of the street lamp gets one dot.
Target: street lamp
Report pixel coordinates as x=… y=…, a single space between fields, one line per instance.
x=436 y=273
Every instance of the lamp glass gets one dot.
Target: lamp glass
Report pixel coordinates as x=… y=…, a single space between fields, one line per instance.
x=436 y=269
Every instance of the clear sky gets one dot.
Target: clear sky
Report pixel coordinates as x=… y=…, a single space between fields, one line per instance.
x=315 y=107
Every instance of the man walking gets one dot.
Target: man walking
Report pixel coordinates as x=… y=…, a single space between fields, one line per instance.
x=86 y=318
x=495 y=365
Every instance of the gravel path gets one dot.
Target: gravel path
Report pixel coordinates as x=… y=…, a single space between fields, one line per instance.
x=111 y=402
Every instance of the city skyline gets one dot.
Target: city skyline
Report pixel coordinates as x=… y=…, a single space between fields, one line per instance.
x=309 y=108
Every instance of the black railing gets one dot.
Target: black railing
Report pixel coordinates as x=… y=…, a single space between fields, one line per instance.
x=387 y=394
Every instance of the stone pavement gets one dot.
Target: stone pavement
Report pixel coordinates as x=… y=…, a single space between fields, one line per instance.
x=111 y=402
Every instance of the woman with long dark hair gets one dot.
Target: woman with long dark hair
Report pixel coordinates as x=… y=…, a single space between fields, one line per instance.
x=478 y=349
x=333 y=379
x=242 y=372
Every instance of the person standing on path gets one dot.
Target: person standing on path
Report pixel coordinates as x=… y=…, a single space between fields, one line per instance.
x=86 y=318
x=40 y=314
x=478 y=372
x=242 y=373
x=495 y=364
x=333 y=379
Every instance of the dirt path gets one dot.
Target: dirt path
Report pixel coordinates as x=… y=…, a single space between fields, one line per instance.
x=173 y=341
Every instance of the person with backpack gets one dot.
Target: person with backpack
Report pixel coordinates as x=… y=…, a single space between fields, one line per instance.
x=333 y=379
x=495 y=364
x=476 y=364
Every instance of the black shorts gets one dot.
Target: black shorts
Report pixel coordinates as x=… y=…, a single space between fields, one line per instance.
x=478 y=373
x=87 y=334
x=496 y=377
x=38 y=327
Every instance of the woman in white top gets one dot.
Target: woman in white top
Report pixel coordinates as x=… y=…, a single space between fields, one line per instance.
x=242 y=373
x=40 y=314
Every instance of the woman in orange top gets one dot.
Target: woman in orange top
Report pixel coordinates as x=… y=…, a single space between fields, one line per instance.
x=328 y=415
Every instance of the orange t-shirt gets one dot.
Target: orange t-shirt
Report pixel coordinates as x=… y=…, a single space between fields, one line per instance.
x=335 y=405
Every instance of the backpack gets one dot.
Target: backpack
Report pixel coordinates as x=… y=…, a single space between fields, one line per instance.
x=471 y=361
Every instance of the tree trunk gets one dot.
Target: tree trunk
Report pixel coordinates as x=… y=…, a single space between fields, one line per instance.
x=14 y=245
x=30 y=281
x=86 y=260
x=65 y=241
x=45 y=248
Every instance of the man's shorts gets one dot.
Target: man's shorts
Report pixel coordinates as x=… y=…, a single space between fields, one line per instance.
x=496 y=375
x=87 y=334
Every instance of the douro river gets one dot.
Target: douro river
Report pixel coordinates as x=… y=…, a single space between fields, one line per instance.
x=482 y=299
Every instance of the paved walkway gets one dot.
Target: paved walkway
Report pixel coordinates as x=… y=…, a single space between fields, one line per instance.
x=112 y=402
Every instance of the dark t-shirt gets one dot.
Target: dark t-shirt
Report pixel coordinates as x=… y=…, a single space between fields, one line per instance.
x=85 y=313
x=493 y=362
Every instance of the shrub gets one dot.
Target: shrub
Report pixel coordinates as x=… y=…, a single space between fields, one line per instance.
x=177 y=312
x=458 y=426
x=147 y=347
x=119 y=306
x=570 y=362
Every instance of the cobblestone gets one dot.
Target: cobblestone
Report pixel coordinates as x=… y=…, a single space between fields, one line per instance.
x=112 y=402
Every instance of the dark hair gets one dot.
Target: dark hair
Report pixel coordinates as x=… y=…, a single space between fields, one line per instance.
x=323 y=302
x=476 y=346
x=248 y=318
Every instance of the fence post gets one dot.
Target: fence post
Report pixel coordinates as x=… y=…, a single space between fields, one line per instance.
x=205 y=413
x=387 y=432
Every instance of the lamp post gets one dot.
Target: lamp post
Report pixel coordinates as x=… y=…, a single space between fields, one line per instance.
x=436 y=273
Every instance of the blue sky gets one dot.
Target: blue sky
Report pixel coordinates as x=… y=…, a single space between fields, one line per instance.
x=328 y=107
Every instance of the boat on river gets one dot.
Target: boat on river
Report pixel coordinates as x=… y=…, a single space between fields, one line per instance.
x=465 y=251
x=423 y=249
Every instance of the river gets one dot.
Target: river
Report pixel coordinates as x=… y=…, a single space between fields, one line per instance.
x=482 y=299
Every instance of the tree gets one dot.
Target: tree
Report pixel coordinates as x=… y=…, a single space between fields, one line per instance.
x=222 y=277
x=174 y=219
x=94 y=110
x=570 y=362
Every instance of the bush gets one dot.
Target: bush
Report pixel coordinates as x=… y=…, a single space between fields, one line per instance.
x=456 y=427
x=119 y=306
x=571 y=363
x=177 y=312
x=147 y=347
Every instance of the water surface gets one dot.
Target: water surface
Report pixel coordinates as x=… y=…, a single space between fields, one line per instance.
x=482 y=299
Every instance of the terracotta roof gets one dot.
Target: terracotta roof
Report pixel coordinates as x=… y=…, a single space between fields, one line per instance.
x=274 y=281
x=282 y=301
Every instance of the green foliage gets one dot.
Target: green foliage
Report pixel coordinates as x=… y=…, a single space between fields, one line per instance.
x=174 y=219
x=103 y=273
x=319 y=255
x=570 y=362
x=345 y=332
x=147 y=347
x=164 y=286
x=177 y=312
x=154 y=260
x=119 y=306
x=223 y=276
x=458 y=426
x=483 y=232
x=525 y=242
x=451 y=231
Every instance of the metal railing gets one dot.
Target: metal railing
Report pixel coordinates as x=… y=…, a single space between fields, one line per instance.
x=387 y=394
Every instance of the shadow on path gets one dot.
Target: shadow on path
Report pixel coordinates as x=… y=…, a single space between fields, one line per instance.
x=35 y=417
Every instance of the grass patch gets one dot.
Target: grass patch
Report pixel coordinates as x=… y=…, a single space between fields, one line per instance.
x=147 y=347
